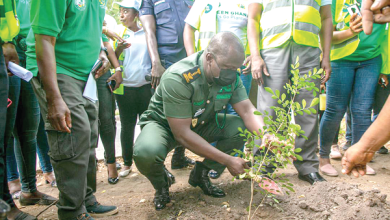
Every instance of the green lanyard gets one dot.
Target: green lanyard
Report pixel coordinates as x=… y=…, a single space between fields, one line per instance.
x=223 y=122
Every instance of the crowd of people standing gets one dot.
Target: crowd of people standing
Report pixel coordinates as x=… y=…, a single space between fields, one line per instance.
x=183 y=70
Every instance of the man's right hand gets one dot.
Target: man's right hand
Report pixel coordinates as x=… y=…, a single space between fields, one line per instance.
x=58 y=115
x=355 y=160
x=236 y=166
x=258 y=69
x=157 y=72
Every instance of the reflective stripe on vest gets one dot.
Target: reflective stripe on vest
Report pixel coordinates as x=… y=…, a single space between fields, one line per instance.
x=303 y=27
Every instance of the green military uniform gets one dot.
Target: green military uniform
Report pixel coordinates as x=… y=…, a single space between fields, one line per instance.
x=185 y=93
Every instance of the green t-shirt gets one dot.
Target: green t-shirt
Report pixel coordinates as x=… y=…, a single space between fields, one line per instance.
x=196 y=99
x=77 y=26
x=370 y=45
x=23 y=12
x=105 y=38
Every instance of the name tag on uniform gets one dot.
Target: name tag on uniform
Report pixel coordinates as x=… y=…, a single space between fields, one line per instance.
x=199 y=112
x=159 y=2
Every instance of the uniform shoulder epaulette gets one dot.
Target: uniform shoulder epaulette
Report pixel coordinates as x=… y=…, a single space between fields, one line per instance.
x=191 y=75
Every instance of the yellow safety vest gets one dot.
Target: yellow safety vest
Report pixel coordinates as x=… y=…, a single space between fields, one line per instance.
x=281 y=20
x=342 y=18
x=121 y=32
x=9 y=22
x=208 y=24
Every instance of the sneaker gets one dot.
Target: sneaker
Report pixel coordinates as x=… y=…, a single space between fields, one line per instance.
x=84 y=216
x=98 y=210
x=383 y=150
x=335 y=152
x=346 y=145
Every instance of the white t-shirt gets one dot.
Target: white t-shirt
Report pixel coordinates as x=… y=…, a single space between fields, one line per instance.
x=137 y=63
x=232 y=15
x=323 y=2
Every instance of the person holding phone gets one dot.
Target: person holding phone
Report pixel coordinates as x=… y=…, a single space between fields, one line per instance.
x=134 y=95
x=356 y=63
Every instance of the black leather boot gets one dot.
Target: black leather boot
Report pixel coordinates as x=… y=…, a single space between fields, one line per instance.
x=179 y=160
x=161 y=198
x=199 y=177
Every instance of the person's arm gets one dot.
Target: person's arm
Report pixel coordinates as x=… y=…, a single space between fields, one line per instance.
x=189 y=39
x=149 y=24
x=245 y=110
x=10 y=54
x=355 y=27
x=58 y=112
x=111 y=34
x=326 y=34
x=375 y=11
x=258 y=67
x=117 y=76
x=195 y=143
x=357 y=156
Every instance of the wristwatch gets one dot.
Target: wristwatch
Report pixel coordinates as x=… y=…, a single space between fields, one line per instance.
x=105 y=50
x=118 y=69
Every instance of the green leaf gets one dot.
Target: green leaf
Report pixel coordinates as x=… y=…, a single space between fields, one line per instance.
x=269 y=90
x=313 y=110
x=297 y=66
x=274 y=97
x=307 y=111
x=283 y=96
x=297 y=60
x=300 y=112
x=277 y=93
x=303 y=103
x=297 y=150
x=299 y=157
x=315 y=102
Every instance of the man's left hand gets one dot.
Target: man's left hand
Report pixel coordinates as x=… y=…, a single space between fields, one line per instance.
x=325 y=65
x=10 y=54
x=105 y=67
x=117 y=77
x=248 y=65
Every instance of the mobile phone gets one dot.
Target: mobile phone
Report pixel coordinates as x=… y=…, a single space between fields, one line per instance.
x=96 y=66
x=354 y=9
x=148 y=78
x=111 y=85
x=383 y=83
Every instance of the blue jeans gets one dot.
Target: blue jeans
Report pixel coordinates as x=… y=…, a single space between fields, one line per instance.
x=350 y=81
x=22 y=121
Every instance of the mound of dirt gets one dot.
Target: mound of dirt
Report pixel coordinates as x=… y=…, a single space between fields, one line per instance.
x=327 y=200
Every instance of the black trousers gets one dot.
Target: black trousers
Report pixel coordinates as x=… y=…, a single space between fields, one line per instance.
x=131 y=104
x=4 y=191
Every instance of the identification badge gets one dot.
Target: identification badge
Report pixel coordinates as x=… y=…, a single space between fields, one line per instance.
x=159 y=2
x=194 y=122
x=199 y=112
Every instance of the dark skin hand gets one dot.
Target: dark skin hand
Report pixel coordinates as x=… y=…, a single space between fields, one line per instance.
x=149 y=24
x=377 y=11
x=258 y=67
x=10 y=54
x=117 y=76
x=326 y=33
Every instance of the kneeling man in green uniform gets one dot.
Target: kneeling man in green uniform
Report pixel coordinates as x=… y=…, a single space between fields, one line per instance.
x=185 y=109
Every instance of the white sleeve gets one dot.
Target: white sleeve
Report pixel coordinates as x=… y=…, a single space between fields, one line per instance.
x=193 y=17
x=326 y=2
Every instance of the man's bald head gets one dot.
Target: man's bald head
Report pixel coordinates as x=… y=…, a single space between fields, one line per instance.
x=227 y=48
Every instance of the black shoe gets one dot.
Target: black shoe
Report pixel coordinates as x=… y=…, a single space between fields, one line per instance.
x=199 y=177
x=161 y=198
x=113 y=181
x=312 y=178
x=214 y=174
x=346 y=145
x=179 y=160
x=84 y=216
x=98 y=210
x=383 y=150
x=170 y=177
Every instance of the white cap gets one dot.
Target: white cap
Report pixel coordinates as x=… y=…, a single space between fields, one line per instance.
x=129 y=4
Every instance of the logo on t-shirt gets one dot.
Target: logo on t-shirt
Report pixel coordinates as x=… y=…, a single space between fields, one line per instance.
x=103 y=4
x=80 y=4
x=208 y=8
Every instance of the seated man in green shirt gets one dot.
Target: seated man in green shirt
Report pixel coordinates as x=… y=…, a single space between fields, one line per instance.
x=185 y=109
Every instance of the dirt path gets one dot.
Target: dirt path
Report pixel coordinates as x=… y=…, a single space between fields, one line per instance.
x=134 y=197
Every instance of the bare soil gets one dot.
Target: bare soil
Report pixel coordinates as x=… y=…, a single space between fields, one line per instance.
x=342 y=197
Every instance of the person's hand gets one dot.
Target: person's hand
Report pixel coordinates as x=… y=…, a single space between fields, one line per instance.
x=258 y=69
x=356 y=24
x=248 y=65
x=105 y=65
x=355 y=160
x=58 y=115
x=325 y=65
x=113 y=36
x=123 y=45
x=10 y=54
x=117 y=77
x=323 y=87
x=236 y=166
x=157 y=71
x=377 y=11
x=384 y=77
